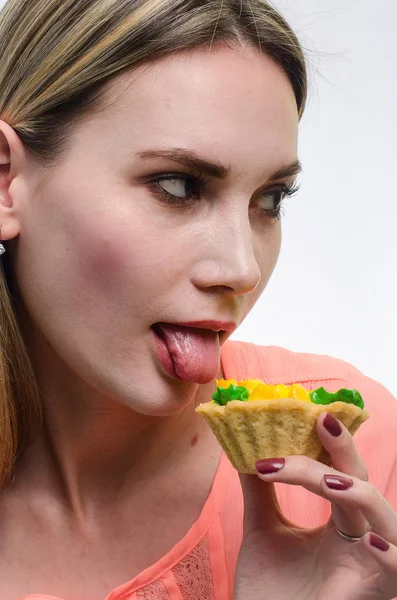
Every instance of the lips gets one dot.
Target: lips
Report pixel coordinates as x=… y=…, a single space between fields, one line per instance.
x=224 y=328
x=221 y=326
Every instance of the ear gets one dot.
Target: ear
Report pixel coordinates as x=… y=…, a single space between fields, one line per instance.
x=13 y=169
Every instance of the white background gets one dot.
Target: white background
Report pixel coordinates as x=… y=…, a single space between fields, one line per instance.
x=334 y=290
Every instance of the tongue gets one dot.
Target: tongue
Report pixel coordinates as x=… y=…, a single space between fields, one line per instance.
x=194 y=352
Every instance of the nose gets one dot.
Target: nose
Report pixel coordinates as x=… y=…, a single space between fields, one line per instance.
x=227 y=257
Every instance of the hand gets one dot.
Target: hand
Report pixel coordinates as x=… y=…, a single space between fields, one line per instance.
x=280 y=561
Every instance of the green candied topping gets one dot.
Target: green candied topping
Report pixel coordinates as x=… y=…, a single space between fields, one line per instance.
x=234 y=392
x=321 y=396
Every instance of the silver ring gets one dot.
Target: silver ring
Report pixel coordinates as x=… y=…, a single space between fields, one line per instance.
x=349 y=538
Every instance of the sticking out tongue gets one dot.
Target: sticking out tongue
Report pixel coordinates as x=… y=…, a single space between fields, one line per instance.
x=194 y=352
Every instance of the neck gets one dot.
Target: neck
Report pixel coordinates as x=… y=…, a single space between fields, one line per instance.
x=84 y=449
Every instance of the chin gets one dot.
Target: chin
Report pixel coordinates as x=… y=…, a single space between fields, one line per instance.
x=161 y=400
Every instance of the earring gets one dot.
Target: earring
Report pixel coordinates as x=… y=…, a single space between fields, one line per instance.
x=2 y=249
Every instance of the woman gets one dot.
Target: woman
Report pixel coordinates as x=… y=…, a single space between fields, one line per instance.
x=145 y=148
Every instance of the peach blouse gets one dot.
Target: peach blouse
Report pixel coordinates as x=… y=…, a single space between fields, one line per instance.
x=201 y=565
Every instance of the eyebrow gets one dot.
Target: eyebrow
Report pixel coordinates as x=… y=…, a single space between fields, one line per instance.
x=214 y=169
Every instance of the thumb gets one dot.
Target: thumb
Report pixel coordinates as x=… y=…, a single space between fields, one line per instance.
x=261 y=507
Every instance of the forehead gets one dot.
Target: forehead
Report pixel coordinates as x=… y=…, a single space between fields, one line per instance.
x=236 y=102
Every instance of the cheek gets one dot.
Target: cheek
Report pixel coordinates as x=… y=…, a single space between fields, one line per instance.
x=105 y=261
x=267 y=254
x=124 y=270
x=110 y=275
x=277 y=245
x=268 y=250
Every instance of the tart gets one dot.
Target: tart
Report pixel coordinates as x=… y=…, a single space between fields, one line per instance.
x=253 y=420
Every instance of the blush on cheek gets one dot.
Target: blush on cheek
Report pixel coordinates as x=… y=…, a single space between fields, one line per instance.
x=116 y=270
x=104 y=260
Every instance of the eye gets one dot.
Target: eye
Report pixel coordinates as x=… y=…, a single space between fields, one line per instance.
x=177 y=187
x=180 y=187
x=271 y=200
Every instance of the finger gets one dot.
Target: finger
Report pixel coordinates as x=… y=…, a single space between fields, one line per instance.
x=360 y=504
x=363 y=498
x=385 y=555
x=304 y=471
x=261 y=507
x=337 y=440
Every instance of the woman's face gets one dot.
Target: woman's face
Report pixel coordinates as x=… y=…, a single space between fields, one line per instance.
x=132 y=230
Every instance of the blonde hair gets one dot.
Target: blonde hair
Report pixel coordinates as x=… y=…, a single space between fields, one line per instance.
x=58 y=60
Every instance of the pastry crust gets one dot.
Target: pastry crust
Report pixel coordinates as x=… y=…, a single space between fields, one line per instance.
x=250 y=431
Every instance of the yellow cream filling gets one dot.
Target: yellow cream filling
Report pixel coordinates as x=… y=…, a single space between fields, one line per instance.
x=261 y=391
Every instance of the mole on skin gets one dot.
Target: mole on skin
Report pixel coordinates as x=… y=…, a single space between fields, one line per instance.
x=194 y=440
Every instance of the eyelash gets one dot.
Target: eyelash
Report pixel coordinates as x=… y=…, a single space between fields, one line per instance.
x=287 y=191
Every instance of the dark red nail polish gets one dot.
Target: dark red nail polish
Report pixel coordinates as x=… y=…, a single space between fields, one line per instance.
x=332 y=425
x=378 y=542
x=335 y=482
x=269 y=465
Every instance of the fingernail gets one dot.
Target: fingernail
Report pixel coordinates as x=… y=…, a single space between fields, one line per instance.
x=332 y=425
x=335 y=482
x=378 y=542
x=269 y=465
